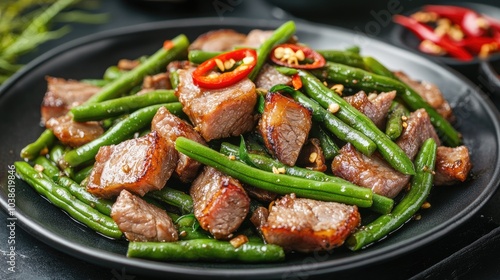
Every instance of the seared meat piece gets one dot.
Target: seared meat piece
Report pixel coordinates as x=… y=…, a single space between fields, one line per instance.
x=218 y=40
x=221 y=112
x=306 y=225
x=127 y=64
x=141 y=221
x=169 y=127
x=284 y=126
x=452 y=165
x=376 y=109
x=269 y=76
x=311 y=156
x=138 y=165
x=62 y=95
x=153 y=82
x=430 y=93
x=260 y=194
x=259 y=216
x=256 y=37
x=369 y=172
x=178 y=64
x=73 y=133
x=220 y=202
x=418 y=130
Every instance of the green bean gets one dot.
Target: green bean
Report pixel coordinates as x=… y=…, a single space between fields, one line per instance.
x=286 y=70
x=43 y=143
x=391 y=152
x=82 y=174
x=421 y=185
x=189 y=228
x=380 y=204
x=95 y=82
x=118 y=106
x=174 y=79
x=206 y=250
x=328 y=146
x=338 y=127
x=112 y=73
x=280 y=35
x=56 y=152
x=360 y=79
x=51 y=170
x=378 y=68
x=199 y=56
x=63 y=199
x=344 y=57
x=394 y=124
x=353 y=49
x=174 y=197
x=278 y=183
x=116 y=134
x=152 y=64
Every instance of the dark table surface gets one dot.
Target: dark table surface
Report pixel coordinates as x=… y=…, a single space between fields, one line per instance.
x=472 y=251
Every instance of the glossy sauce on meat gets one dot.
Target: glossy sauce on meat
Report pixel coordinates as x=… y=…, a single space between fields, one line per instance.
x=62 y=95
x=220 y=202
x=141 y=221
x=74 y=134
x=218 y=113
x=138 y=165
x=169 y=128
x=284 y=126
x=306 y=225
x=376 y=109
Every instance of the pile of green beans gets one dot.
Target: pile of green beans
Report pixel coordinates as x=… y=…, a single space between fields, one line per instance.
x=118 y=86
x=381 y=204
x=279 y=183
x=421 y=185
x=391 y=152
x=63 y=199
x=368 y=81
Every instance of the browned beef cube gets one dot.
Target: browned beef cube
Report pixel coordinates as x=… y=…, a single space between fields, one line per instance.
x=452 y=165
x=430 y=93
x=218 y=40
x=376 y=109
x=414 y=135
x=269 y=76
x=138 y=165
x=306 y=225
x=220 y=202
x=218 y=113
x=369 y=172
x=284 y=126
x=141 y=221
x=169 y=127
x=73 y=133
x=154 y=82
x=62 y=95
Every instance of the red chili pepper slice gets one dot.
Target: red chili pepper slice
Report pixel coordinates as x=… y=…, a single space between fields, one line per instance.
x=203 y=75
x=296 y=82
x=424 y=32
x=293 y=60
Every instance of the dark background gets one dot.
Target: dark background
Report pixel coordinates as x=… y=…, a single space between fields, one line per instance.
x=472 y=251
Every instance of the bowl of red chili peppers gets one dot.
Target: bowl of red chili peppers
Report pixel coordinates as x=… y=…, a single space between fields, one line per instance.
x=459 y=36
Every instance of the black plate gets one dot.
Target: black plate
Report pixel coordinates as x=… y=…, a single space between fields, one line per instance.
x=87 y=58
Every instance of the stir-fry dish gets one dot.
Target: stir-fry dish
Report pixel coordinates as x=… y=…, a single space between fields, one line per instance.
x=244 y=147
x=454 y=31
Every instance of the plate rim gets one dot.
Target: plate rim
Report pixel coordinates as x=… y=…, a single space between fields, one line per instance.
x=139 y=265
